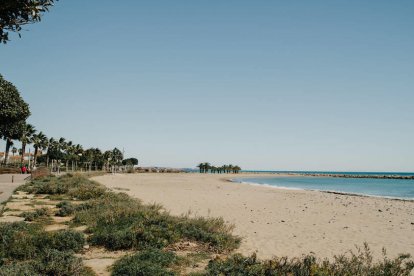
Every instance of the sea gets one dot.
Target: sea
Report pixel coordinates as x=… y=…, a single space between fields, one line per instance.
x=377 y=187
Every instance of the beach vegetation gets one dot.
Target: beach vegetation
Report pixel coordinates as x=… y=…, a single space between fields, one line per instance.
x=148 y=262
x=23 y=241
x=33 y=215
x=72 y=185
x=66 y=208
x=117 y=221
x=26 y=249
x=354 y=264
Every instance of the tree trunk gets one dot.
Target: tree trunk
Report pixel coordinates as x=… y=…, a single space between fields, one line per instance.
x=6 y=154
x=35 y=156
x=23 y=151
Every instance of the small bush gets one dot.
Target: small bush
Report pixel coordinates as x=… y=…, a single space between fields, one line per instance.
x=117 y=221
x=213 y=231
x=67 y=240
x=149 y=262
x=76 y=186
x=55 y=262
x=66 y=209
x=359 y=264
x=31 y=216
x=19 y=269
x=22 y=241
x=17 y=240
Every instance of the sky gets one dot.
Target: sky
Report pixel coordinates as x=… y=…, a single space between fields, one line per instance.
x=267 y=85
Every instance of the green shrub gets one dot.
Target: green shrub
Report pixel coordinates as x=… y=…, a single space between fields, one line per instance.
x=66 y=240
x=55 y=262
x=360 y=264
x=117 y=221
x=19 y=269
x=22 y=241
x=76 y=186
x=213 y=231
x=31 y=216
x=17 y=240
x=149 y=262
x=66 y=209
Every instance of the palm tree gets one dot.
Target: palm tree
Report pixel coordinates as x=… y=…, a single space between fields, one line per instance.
x=98 y=158
x=201 y=167
x=26 y=138
x=117 y=157
x=50 y=146
x=207 y=166
x=39 y=141
x=14 y=150
x=78 y=151
x=66 y=149
x=236 y=169
x=107 y=159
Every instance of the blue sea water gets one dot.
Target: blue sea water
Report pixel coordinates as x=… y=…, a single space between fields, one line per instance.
x=336 y=172
x=392 y=188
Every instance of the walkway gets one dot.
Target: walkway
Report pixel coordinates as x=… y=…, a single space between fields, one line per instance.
x=7 y=186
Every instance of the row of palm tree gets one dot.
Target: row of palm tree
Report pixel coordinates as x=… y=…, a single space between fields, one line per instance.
x=207 y=167
x=53 y=152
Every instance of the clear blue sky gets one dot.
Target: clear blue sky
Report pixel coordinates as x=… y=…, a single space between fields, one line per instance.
x=282 y=85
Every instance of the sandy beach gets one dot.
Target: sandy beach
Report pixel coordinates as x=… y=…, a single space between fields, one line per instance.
x=276 y=221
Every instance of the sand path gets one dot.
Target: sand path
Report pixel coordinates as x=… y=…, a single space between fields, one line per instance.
x=280 y=222
x=7 y=186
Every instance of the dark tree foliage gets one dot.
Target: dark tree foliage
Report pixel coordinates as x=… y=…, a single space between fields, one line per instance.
x=13 y=113
x=130 y=161
x=16 y=13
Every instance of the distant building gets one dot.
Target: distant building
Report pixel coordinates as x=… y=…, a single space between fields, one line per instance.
x=17 y=158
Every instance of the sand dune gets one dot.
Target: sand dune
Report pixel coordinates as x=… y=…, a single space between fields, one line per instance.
x=280 y=222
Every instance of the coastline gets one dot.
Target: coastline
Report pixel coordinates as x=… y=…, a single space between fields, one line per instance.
x=280 y=222
x=344 y=175
x=234 y=180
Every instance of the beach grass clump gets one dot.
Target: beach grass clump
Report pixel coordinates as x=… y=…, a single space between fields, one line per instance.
x=72 y=185
x=22 y=241
x=51 y=262
x=117 y=222
x=354 y=264
x=34 y=215
x=148 y=262
x=56 y=262
x=26 y=249
x=20 y=269
x=212 y=231
x=18 y=241
x=66 y=240
x=65 y=209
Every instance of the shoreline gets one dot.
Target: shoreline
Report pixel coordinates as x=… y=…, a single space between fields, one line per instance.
x=277 y=222
x=233 y=180
x=341 y=175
